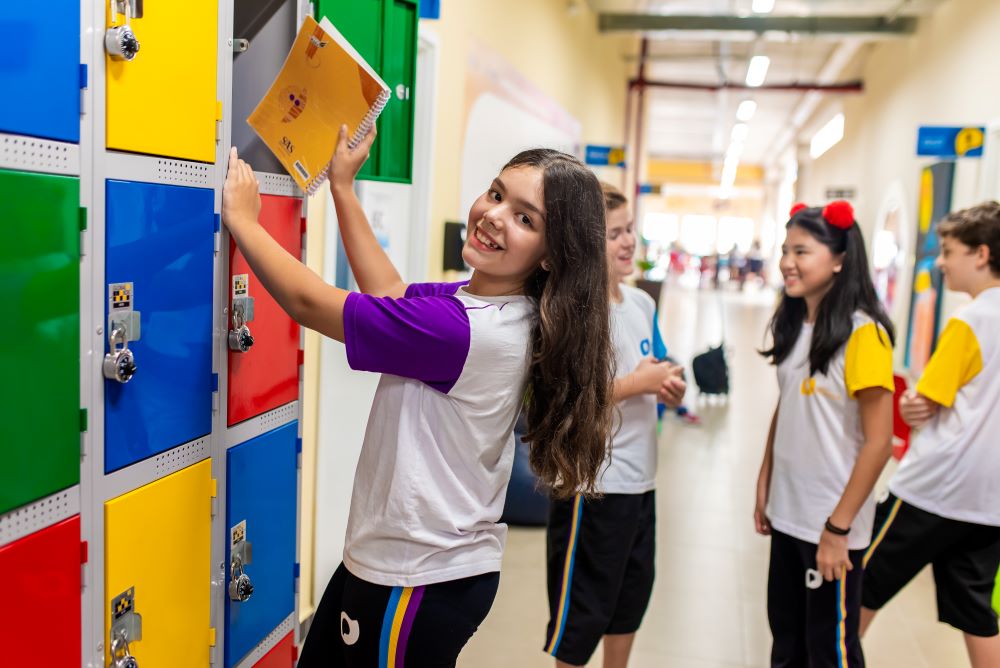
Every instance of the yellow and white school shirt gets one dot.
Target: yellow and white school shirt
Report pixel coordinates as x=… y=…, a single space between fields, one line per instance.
x=818 y=434
x=953 y=466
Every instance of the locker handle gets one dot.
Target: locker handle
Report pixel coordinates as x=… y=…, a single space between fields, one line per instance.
x=240 y=586
x=119 y=364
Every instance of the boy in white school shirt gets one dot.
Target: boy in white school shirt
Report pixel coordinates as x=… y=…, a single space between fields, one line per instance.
x=944 y=502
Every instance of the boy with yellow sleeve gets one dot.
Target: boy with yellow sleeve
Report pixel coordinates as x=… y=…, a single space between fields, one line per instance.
x=944 y=502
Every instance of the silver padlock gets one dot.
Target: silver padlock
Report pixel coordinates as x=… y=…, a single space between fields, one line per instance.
x=121 y=657
x=119 y=364
x=240 y=586
x=240 y=338
x=120 y=42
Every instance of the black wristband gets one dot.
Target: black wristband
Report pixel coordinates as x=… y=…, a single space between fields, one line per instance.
x=835 y=530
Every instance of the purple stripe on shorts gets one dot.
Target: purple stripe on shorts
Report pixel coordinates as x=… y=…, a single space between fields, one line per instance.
x=404 y=631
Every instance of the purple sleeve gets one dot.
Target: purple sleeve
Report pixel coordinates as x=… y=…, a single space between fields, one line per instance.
x=431 y=289
x=424 y=338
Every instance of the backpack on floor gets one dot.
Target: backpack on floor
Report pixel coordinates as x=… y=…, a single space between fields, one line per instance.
x=711 y=372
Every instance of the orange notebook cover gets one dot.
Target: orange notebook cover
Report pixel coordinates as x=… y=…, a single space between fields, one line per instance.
x=323 y=84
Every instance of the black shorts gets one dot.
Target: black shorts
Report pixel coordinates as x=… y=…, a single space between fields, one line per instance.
x=364 y=625
x=965 y=558
x=601 y=555
x=813 y=622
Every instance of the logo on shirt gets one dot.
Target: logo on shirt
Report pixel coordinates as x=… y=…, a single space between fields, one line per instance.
x=644 y=346
x=808 y=387
x=350 y=630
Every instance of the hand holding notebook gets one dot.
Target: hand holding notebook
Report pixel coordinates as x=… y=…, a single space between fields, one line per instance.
x=324 y=84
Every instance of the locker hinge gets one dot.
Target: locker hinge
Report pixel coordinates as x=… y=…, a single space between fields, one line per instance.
x=217 y=241
x=218 y=120
x=84 y=86
x=84 y=418
x=215 y=392
x=214 y=491
x=82 y=215
x=83 y=432
x=296 y=574
x=211 y=645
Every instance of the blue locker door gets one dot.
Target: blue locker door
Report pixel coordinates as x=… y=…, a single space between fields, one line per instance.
x=160 y=239
x=262 y=483
x=40 y=69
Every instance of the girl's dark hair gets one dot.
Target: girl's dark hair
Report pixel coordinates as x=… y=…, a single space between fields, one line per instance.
x=852 y=291
x=569 y=401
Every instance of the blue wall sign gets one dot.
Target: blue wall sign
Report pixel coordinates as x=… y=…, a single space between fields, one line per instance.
x=951 y=142
x=605 y=156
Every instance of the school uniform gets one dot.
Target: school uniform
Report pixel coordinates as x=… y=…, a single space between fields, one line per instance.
x=817 y=439
x=944 y=507
x=424 y=546
x=601 y=551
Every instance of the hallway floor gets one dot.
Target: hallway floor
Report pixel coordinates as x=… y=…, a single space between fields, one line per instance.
x=708 y=606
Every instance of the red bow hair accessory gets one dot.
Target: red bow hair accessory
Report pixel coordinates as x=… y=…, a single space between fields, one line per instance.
x=839 y=214
x=796 y=208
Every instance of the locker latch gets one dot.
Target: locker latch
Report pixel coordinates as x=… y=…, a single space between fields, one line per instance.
x=120 y=42
x=126 y=627
x=240 y=338
x=240 y=586
x=119 y=364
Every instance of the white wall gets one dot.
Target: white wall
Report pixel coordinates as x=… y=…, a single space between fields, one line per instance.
x=942 y=75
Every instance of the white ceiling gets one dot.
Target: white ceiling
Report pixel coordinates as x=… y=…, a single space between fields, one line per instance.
x=692 y=124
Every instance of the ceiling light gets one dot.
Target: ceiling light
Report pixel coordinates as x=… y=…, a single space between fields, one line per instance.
x=746 y=110
x=757 y=71
x=827 y=137
x=763 y=6
x=740 y=132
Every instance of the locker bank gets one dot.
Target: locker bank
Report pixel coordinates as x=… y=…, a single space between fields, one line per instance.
x=150 y=465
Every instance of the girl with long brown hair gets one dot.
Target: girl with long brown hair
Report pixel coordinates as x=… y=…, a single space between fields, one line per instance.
x=424 y=547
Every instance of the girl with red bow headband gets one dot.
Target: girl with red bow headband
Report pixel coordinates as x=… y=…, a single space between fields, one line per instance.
x=830 y=438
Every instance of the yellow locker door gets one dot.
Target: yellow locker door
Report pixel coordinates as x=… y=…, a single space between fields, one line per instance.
x=163 y=102
x=157 y=543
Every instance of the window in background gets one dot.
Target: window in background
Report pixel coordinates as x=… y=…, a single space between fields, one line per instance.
x=734 y=231
x=662 y=228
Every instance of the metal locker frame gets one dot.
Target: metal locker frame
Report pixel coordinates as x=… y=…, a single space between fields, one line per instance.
x=95 y=163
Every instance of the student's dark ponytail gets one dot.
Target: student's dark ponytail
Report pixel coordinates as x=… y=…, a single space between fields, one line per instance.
x=852 y=290
x=571 y=375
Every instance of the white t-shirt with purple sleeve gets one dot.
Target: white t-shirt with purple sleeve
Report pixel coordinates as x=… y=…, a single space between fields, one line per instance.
x=439 y=446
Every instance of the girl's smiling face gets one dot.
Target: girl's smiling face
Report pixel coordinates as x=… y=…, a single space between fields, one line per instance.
x=807 y=265
x=506 y=233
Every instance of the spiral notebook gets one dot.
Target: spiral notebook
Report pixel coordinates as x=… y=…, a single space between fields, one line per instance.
x=323 y=84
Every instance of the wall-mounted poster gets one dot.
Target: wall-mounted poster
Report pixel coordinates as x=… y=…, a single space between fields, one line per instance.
x=925 y=300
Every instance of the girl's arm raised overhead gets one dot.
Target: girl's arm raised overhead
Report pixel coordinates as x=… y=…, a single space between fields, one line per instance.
x=372 y=268
x=298 y=290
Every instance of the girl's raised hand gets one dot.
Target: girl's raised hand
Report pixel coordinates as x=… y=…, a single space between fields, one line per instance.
x=346 y=163
x=240 y=195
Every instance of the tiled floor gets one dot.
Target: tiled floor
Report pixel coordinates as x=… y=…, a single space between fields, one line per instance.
x=708 y=606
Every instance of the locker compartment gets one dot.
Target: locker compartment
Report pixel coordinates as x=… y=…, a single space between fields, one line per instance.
x=385 y=33
x=157 y=554
x=260 y=511
x=281 y=655
x=40 y=78
x=160 y=254
x=270 y=28
x=266 y=375
x=40 y=345
x=39 y=595
x=163 y=101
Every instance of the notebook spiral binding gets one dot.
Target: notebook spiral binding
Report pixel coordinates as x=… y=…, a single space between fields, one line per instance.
x=362 y=131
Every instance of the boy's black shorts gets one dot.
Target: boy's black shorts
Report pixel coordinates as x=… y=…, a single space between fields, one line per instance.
x=965 y=558
x=601 y=555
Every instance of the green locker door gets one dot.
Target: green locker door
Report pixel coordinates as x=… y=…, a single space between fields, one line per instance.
x=40 y=341
x=395 y=157
x=385 y=33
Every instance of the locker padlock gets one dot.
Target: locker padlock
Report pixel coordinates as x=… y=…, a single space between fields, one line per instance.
x=120 y=42
x=240 y=586
x=119 y=364
x=240 y=338
x=121 y=657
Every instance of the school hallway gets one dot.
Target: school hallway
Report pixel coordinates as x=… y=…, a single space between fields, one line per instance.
x=708 y=608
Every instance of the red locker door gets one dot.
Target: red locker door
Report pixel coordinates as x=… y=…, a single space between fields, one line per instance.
x=267 y=374
x=40 y=597
x=281 y=655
